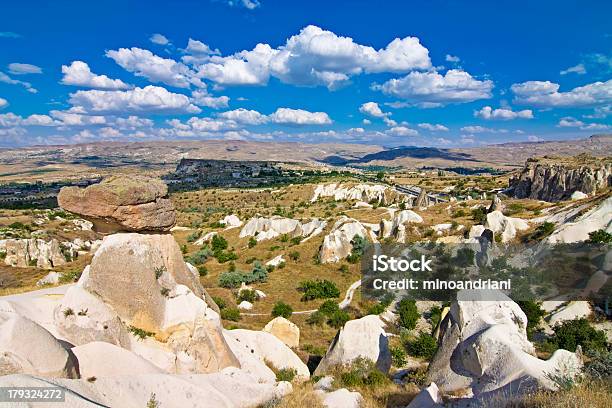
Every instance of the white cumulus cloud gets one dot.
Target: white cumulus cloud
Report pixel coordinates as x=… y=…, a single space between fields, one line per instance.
x=299 y=117
x=79 y=74
x=3 y=103
x=546 y=94
x=244 y=116
x=372 y=109
x=433 y=127
x=202 y=98
x=144 y=63
x=159 y=39
x=402 y=131
x=489 y=113
x=151 y=98
x=576 y=69
x=456 y=86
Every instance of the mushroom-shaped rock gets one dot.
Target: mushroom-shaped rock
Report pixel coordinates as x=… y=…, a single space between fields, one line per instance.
x=364 y=338
x=284 y=330
x=27 y=348
x=122 y=203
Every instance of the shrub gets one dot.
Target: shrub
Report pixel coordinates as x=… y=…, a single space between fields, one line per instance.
x=140 y=333
x=252 y=242
x=376 y=309
x=68 y=312
x=424 y=346
x=202 y=270
x=282 y=309
x=328 y=307
x=318 y=289
x=479 y=215
x=600 y=237
x=599 y=365
x=408 y=313
x=220 y=302
x=230 y=313
x=199 y=257
x=359 y=244
x=296 y=240
x=294 y=255
x=361 y=372
x=316 y=319
x=193 y=237
x=248 y=294
x=576 y=332
x=230 y=280
x=286 y=374
x=398 y=356
x=534 y=313
x=344 y=268
x=224 y=256
x=218 y=243
x=435 y=314
x=338 y=319
x=159 y=271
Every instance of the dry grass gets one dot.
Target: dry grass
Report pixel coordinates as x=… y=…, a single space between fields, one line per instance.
x=303 y=396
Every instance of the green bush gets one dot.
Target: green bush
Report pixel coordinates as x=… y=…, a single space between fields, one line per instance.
x=600 y=237
x=534 y=313
x=435 y=314
x=200 y=256
x=479 y=215
x=202 y=271
x=408 y=313
x=252 y=242
x=286 y=374
x=193 y=237
x=220 y=302
x=282 y=309
x=294 y=255
x=296 y=240
x=359 y=243
x=230 y=313
x=573 y=333
x=424 y=346
x=140 y=333
x=231 y=280
x=316 y=319
x=398 y=356
x=318 y=289
x=361 y=372
x=599 y=365
x=248 y=295
x=218 y=243
x=338 y=319
x=224 y=256
x=328 y=308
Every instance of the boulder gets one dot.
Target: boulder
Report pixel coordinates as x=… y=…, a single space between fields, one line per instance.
x=122 y=203
x=363 y=337
x=100 y=359
x=361 y=192
x=507 y=227
x=429 y=397
x=27 y=348
x=326 y=383
x=341 y=398
x=231 y=221
x=22 y=253
x=578 y=195
x=254 y=348
x=277 y=260
x=573 y=310
x=422 y=200
x=52 y=278
x=286 y=331
x=476 y=231
x=244 y=305
x=483 y=349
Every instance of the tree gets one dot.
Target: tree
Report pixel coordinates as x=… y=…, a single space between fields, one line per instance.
x=318 y=289
x=408 y=313
x=380 y=175
x=534 y=313
x=600 y=237
x=424 y=346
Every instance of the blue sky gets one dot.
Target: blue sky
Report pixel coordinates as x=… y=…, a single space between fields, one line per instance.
x=435 y=73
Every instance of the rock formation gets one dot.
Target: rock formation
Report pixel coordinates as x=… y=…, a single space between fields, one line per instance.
x=541 y=180
x=267 y=228
x=422 y=200
x=507 y=227
x=22 y=253
x=364 y=338
x=367 y=193
x=496 y=204
x=337 y=244
x=284 y=330
x=122 y=203
x=231 y=221
x=396 y=227
x=483 y=348
x=599 y=217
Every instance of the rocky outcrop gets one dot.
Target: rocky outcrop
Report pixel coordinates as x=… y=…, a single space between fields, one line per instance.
x=422 y=200
x=578 y=230
x=267 y=228
x=138 y=281
x=396 y=227
x=573 y=310
x=555 y=182
x=341 y=398
x=483 y=349
x=507 y=227
x=284 y=330
x=22 y=253
x=496 y=204
x=231 y=221
x=429 y=397
x=27 y=348
x=122 y=203
x=337 y=244
x=101 y=359
x=361 y=192
x=364 y=338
